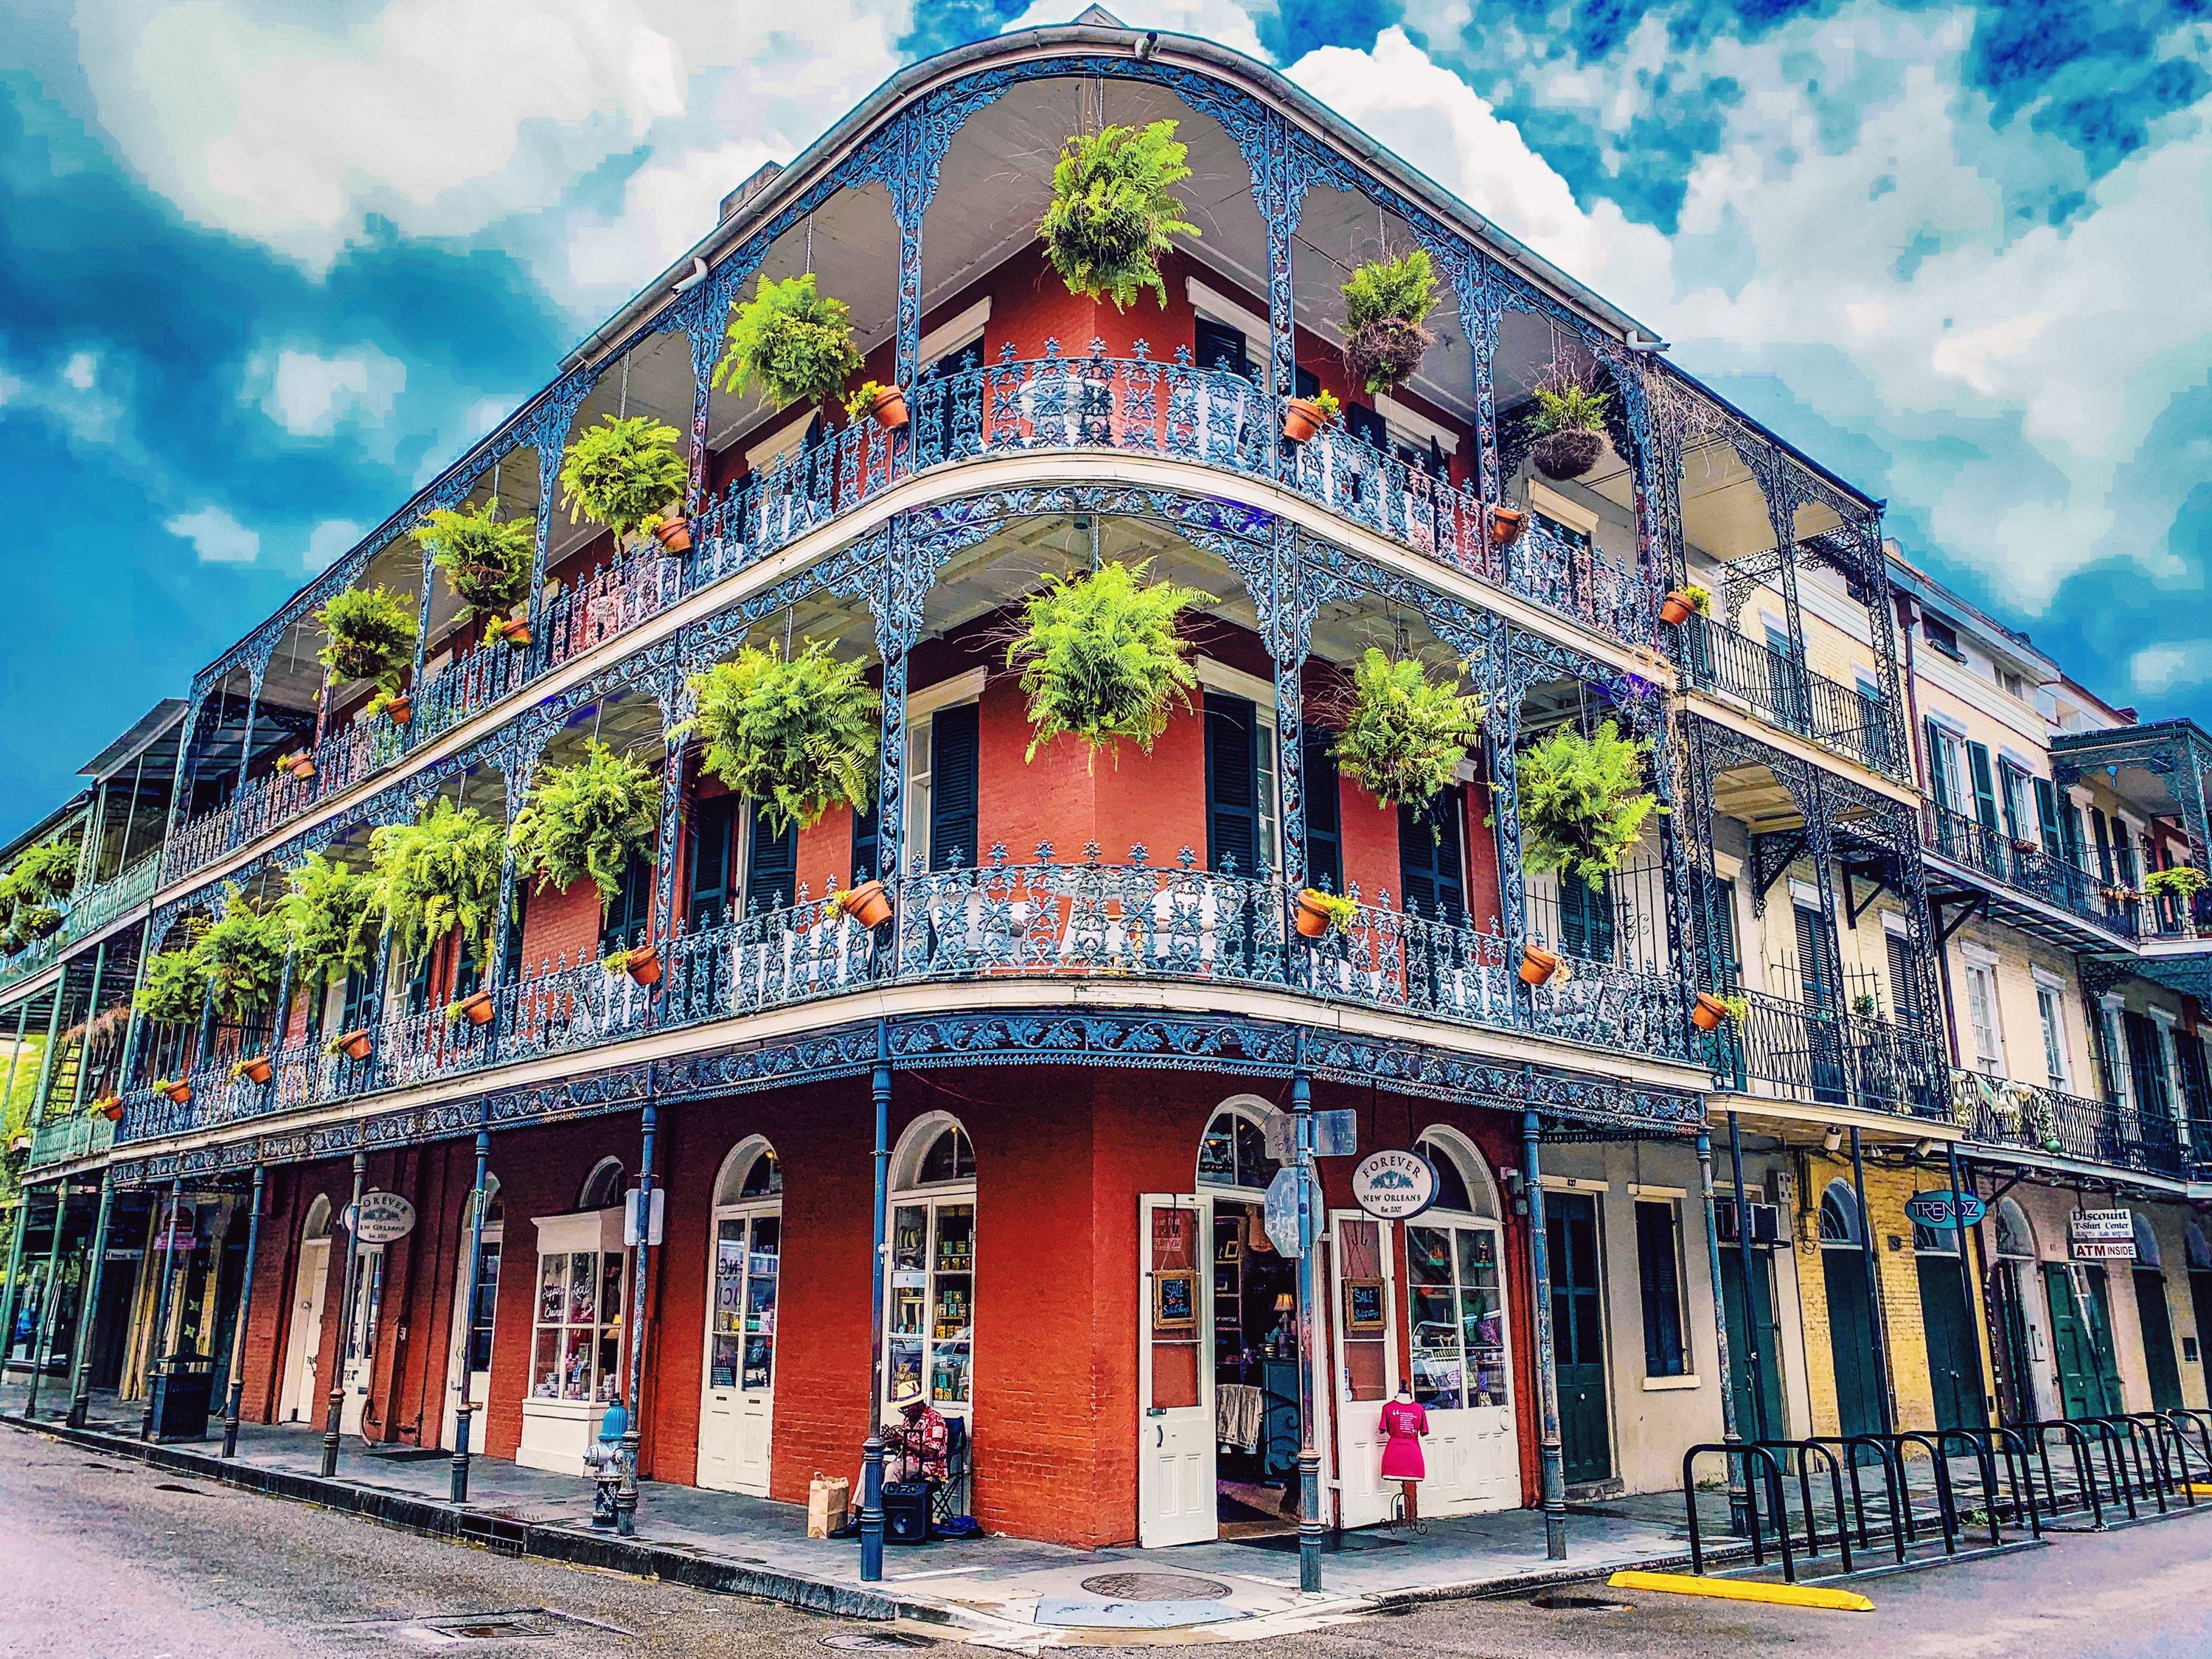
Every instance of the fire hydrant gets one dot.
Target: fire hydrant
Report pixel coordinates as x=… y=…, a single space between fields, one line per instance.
x=603 y=1463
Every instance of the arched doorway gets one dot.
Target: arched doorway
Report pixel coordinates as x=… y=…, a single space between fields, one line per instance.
x=1845 y=1267
x=2155 y=1317
x=2199 y=1253
x=304 y=1349
x=468 y=1357
x=1461 y=1337
x=929 y=1348
x=736 y=1405
x=2021 y=1320
x=1954 y=1358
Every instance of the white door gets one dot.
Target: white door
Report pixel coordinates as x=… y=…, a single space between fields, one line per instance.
x=1175 y=1431
x=361 y=1341
x=468 y=1357
x=1463 y=1364
x=1362 y=1296
x=737 y=1416
x=303 y=1352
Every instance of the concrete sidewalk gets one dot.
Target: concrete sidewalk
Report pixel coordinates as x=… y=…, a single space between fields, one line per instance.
x=1001 y=1592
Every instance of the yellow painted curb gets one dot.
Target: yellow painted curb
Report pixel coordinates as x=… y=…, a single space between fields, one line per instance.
x=1743 y=1589
x=2198 y=1491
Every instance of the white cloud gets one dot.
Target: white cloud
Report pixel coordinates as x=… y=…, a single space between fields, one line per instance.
x=1224 y=21
x=328 y=540
x=308 y=394
x=2161 y=668
x=666 y=208
x=216 y=537
x=82 y=370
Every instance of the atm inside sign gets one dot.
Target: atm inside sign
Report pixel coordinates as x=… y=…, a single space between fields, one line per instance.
x=2101 y=1236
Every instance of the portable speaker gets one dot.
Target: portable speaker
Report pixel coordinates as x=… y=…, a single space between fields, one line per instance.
x=906 y=1512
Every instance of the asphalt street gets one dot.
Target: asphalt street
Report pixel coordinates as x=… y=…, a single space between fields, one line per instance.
x=103 y=1557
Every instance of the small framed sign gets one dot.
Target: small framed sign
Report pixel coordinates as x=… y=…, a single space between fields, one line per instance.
x=1175 y=1301
x=1363 y=1308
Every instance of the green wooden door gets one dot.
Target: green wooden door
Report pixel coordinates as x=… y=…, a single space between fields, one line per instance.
x=1850 y=1341
x=2200 y=1298
x=1768 y=1334
x=1578 y=1335
x=2159 y=1359
x=2014 y=1355
x=2083 y=1387
x=1955 y=1360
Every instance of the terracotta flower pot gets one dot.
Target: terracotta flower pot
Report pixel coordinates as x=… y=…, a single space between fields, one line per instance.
x=180 y=1092
x=1313 y=919
x=1708 y=1013
x=888 y=410
x=1505 y=523
x=1302 y=418
x=401 y=710
x=1569 y=454
x=478 y=1006
x=259 y=1069
x=355 y=1045
x=869 y=904
x=674 y=533
x=1677 y=609
x=644 y=964
x=517 y=630
x=1538 y=965
x=111 y=1108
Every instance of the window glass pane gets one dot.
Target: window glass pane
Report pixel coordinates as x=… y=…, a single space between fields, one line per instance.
x=1217 y=1152
x=1658 y=1271
x=1428 y=1256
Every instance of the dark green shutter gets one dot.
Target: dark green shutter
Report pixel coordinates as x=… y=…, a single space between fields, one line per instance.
x=953 y=787
x=1232 y=784
x=1586 y=923
x=1430 y=868
x=1939 y=776
x=1985 y=790
x=708 y=903
x=1324 y=814
x=771 y=865
x=2048 y=821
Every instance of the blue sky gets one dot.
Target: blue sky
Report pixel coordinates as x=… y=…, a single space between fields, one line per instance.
x=267 y=265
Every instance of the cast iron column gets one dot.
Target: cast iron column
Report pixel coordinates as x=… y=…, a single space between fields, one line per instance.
x=1762 y=1429
x=1309 y=1526
x=331 y=1417
x=1982 y=1382
x=626 y=1493
x=42 y=1333
x=1874 y=1321
x=1731 y=1430
x=871 y=1448
x=1547 y=1375
x=238 y=1325
x=464 y=1412
x=160 y=1333
x=80 y=1363
x=14 y=1285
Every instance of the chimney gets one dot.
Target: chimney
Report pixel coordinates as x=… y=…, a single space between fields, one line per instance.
x=762 y=176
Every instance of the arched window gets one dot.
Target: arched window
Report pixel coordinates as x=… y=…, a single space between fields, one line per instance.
x=2146 y=1252
x=1233 y=1152
x=950 y=1158
x=1840 y=1217
x=1455 y=1288
x=2194 y=1247
x=603 y=1187
x=750 y=1173
x=2015 y=1237
x=929 y=1310
x=746 y=1266
x=318 y=1223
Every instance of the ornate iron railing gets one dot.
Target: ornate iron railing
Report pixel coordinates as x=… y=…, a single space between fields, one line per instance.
x=1786 y=694
x=2009 y=1112
x=1825 y=1056
x=64 y=1140
x=997 y=920
x=2025 y=867
x=86 y=914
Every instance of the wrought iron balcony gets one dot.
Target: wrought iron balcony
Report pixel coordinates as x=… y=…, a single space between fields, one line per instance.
x=1828 y=1057
x=1133 y=405
x=999 y=922
x=1787 y=694
x=65 y=1139
x=2007 y=1112
x=2024 y=867
x=87 y=914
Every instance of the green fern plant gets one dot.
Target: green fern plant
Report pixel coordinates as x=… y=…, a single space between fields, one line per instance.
x=242 y=953
x=2182 y=881
x=485 y=559
x=42 y=873
x=172 y=989
x=1569 y=406
x=1100 y=658
x=790 y=342
x=328 y=918
x=437 y=874
x=28 y=923
x=1385 y=305
x=372 y=633
x=1583 y=801
x=621 y=473
x=1404 y=734
x=587 y=819
x=796 y=738
x=1114 y=211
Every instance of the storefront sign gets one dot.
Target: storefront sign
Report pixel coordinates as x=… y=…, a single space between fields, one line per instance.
x=385 y=1217
x=2101 y=1236
x=1394 y=1185
x=1944 y=1208
x=657 y=1219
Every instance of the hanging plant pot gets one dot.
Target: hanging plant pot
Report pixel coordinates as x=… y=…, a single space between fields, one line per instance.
x=888 y=410
x=1675 y=611
x=1505 y=523
x=475 y=1007
x=178 y=1091
x=1708 y=1013
x=869 y=903
x=355 y=1045
x=256 y=1070
x=300 y=766
x=673 y=533
x=110 y=1107
x=1319 y=913
x=642 y=964
x=400 y=710
x=1567 y=453
x=1302 y=418
x=517 y=630
x=1538 y=965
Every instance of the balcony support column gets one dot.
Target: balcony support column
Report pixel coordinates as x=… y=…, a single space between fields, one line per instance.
x=88 y=1305
x=549 y=435
x=158 y=1335
x=257 y=669
x=351 y=1221
x=12 y=1294
x=237 y=1391
x=1501 y=742
x=520 y=765
x=53 y=1040
x=1877 y=1322
x=633 y=1431
x=1731 y=1430
x=1974 y=1300
x=464 y=1409
x=676 y=705
x=897 y=606
x=187 y=741
x=1551 y=1461
x=871 y=1448
x=42 y=1331
x=1288 y=640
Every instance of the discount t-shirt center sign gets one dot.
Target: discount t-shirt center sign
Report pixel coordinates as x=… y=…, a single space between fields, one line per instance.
x=2101 y=1236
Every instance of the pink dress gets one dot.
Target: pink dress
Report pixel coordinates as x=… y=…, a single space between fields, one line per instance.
x=1402 y=1426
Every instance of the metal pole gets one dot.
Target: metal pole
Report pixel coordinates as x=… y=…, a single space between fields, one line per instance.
x=1309 y=1526
x=345 y=1314
x=1731 y=1432
x=95 y=1262
x=160 y=1333
x=14 y=1286
x=1748 y=1261
x=1982 y=1380
x=464 y=1412
x=633 y=1433
x=238 y=1326
x=1547 y=1375
x=42 y=1334
x=1873 y=1287
x=871 y=1448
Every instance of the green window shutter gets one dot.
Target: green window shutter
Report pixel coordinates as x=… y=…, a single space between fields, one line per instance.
x=2047 y=819
x=1985 y=787
x=1939 y=774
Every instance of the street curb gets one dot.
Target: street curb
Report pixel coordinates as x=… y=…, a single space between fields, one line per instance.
x=466 y=1525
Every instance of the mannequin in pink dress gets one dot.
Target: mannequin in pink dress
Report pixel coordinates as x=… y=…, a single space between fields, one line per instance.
x=1402 y=1426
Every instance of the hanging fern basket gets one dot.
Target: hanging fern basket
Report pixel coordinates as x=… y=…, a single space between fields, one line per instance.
x=795 y=737
x=1100 y=658
x=1115 y=212
x=1563 y=455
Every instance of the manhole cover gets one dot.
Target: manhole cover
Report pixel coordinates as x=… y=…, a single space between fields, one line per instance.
x=874 y=1641
x=1154 y=1587
x=1561 y=1603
